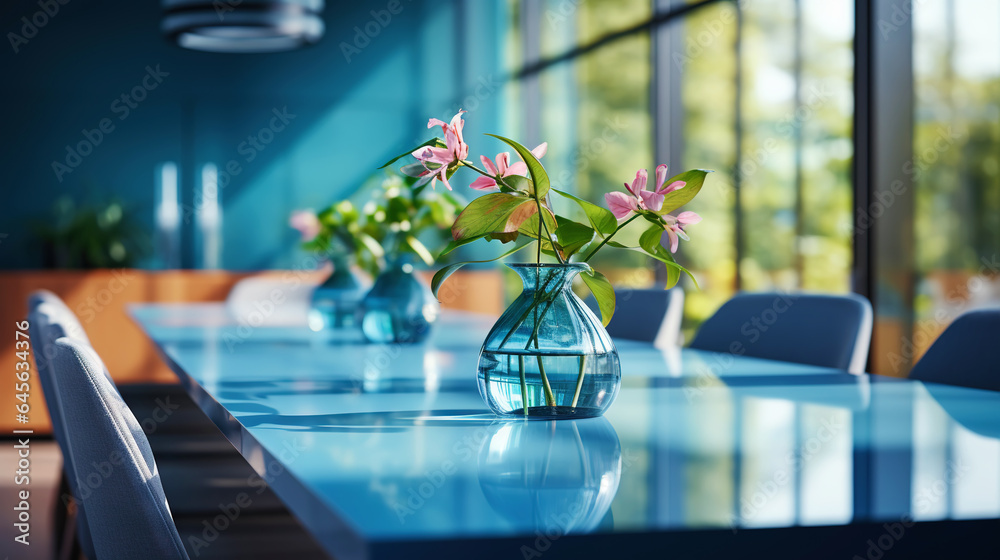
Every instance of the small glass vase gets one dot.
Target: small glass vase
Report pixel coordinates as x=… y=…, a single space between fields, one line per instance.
x=399 y=307
x=336 y=302
x=548 y=356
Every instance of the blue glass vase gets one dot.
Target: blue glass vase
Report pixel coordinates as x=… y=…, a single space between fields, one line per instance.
x=548 y=356
x=336 y=302
x=399 y=307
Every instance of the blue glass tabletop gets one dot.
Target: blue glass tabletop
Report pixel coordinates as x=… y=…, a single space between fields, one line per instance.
x=382 y=450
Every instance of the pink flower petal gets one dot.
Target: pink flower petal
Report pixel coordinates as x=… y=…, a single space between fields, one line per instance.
x=620 y=204
x=674 y=241
x=431 y=123
x=488 y=165
x=672 y=187
x=688 y=218
x=483 y=184
x=503 y=161
x=518 y=168
x=307 y=223
x=639 y=183
x=443 y=175
x=652 y=200
x=661 y=176
x=434 y=155
x=540 y=150
x=457 y=122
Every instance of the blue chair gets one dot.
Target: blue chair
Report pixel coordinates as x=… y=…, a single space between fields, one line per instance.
x=646 y=315
x=963 y=354
x=821 y=330
x=119 y=484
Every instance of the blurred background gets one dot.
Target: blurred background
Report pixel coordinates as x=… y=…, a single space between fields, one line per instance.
x=839 y=166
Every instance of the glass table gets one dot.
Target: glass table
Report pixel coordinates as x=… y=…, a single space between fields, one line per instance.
x=387 y=451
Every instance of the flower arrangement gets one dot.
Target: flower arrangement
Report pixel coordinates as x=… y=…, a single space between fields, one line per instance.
x=398 y=218
x=517 y=209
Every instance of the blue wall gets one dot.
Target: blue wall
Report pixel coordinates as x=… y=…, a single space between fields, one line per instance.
x=349 y=116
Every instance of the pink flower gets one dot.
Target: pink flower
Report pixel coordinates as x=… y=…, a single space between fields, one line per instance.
x=503 y=168
x=654 y=199
x=622 y=204
x=675 y=227
x=307 y=223
x=438 y=161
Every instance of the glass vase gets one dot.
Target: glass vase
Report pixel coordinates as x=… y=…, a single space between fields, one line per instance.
x=335 y=303
x=553 y=477
x=548 y=356
x=399 y=307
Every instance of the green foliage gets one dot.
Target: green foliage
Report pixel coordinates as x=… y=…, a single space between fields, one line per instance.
x=649 y=241
x=90 y=236
x=603 y=291
x=397 y=218
x=492 y=213
x=539 y=178
x=601 y=219
x=436 y=142
x=446 y=271
x=694 y=178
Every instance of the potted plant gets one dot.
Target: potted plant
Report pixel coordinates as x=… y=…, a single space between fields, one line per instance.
x=548 y=356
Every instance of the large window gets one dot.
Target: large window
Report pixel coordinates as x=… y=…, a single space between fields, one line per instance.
x=759 y=92
x=764 y=93
x=956 y=161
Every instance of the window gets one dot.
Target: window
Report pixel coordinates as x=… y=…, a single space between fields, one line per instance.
x=761 y=94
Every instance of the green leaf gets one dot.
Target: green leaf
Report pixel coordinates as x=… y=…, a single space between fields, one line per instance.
x=572 y=236
x=529 y=226
x=374 y=247
x=503 y=237
x=694 y=178
x=601 y=218
x=436 y=142
x=538 y=175
x=517 y=183
x=455 y=244
x=443 y=274
x=420 y=249
x=650 y=244
x=489 y=214
x=603 y=292
x=413 y=170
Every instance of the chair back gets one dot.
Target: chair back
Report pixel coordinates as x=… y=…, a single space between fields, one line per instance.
x=116 y=476
x=963 y=354
x=646 y=315
x=50 y=319
x=822 y=330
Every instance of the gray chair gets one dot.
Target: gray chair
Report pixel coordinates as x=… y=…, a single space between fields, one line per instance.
x=646 y=315
x=185 y=431
x=201 y=469
x=127 y=510
x=963 y=354
x=822 y=330
x=48 y=322
x=119 y=482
